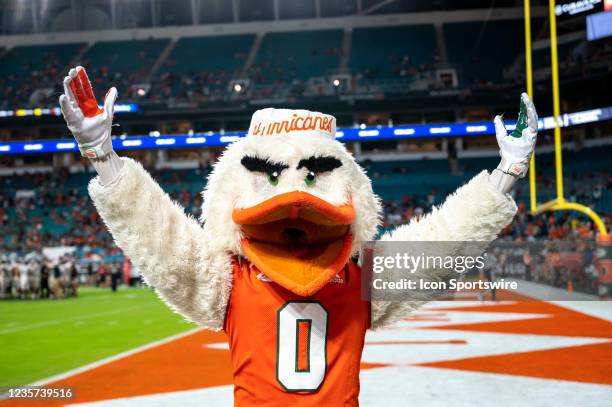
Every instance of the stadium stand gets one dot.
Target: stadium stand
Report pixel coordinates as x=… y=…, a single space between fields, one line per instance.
x=209 y=54
x=54 y=208
x=135 y=56
x=397 y=59
x=541 y=57
x=195 y=69
x=122 y=63
x=23 y=70
x=21 y=60
x=391 y=52
x=201 y=65
x=578 y=58
x=483 y=49
x=286 y=56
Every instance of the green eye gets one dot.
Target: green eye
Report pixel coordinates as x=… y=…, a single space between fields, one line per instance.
x=273 y=178
x=310 y=178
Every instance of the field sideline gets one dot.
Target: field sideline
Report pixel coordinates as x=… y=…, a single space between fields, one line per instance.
x=111 y=349
x=43 y=338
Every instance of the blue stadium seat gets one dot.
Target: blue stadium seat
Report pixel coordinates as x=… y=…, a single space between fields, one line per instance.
x=380 y=50
x=541 y=57
x=222 y=53
x=481 y=50
x=426 y=181
x=286 y=56
x=135 y=56
x=23 y=60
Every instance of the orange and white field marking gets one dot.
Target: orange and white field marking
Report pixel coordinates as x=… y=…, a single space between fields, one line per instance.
x=450 y=353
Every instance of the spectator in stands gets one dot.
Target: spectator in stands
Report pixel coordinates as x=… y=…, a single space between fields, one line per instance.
x=55 y=214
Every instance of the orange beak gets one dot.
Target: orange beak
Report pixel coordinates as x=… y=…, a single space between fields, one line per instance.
x=297 y=240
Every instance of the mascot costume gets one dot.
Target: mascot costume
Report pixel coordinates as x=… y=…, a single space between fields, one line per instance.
x=285 y=210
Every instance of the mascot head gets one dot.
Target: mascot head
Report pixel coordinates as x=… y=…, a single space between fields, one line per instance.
x=291 y=199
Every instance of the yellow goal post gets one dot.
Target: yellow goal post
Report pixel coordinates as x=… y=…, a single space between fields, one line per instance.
x=559 y=203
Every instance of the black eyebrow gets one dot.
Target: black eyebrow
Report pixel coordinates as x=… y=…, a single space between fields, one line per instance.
x=320 y=164
x=256 y=164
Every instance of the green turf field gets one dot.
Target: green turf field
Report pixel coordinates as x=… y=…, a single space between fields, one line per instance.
x=42 y=338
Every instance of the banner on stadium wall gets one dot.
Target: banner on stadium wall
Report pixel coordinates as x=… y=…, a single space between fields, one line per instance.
x=599 y=26
x=578 y=7
x=362 y=133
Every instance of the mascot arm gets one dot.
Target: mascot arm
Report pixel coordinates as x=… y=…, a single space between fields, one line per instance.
x=476 y=212
x=170 y=248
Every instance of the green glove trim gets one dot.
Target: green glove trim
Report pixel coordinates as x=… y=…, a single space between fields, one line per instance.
x=521 y=124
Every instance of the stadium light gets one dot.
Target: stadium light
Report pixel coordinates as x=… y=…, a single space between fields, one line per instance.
x=341 y=82
x=239 y=86
x=141 y=89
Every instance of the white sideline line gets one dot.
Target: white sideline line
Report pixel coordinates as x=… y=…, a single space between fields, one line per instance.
x=596 y=309
x=61 y=321
x=549 y=293
x=114 y=358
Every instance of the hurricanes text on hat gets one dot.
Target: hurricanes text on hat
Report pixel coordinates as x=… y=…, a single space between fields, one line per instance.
x=278 y=122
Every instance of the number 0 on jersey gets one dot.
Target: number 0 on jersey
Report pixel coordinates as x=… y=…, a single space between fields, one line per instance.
x=301 y=360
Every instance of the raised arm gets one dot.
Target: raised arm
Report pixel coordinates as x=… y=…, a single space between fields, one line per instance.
x=476 y=212
x=169 y=247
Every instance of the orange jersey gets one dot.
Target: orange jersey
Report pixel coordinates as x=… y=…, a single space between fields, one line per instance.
x=288 y=350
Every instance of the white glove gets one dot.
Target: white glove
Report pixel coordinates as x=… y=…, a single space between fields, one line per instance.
x=90 y=125
x=516 y=148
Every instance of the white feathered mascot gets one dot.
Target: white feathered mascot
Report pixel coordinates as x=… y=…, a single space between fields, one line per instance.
x=285 y=209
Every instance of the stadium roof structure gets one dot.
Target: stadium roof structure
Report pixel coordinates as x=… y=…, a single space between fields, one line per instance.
x=66 y=15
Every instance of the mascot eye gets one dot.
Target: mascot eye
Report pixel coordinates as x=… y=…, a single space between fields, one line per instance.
x=310 y=178
x=273 y=177
x=272 y=170
x=318 y=165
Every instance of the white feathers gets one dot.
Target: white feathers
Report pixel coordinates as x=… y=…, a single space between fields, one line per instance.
x=170 y=248
x=190 y=266
x=232 y=186
x=476 y=212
